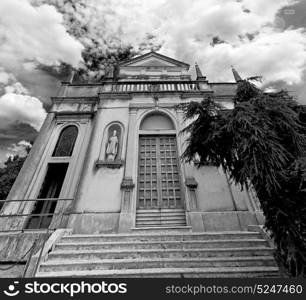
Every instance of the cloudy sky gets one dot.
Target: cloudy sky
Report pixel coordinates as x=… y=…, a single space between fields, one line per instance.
x=40 y=38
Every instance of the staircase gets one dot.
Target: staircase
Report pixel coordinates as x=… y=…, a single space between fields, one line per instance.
x=159 y=253
x=160 y=217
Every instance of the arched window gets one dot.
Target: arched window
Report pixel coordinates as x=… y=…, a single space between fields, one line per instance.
x=157 y=121
x=66 y=141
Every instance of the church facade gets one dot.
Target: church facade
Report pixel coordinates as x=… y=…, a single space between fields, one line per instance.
x=112 y=151
x=107 y=161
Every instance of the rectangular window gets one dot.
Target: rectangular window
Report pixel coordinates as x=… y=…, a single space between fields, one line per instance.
x=50 y=189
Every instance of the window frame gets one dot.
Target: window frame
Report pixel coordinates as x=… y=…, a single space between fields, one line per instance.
x=59 y=140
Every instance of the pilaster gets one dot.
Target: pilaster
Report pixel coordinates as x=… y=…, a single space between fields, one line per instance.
x=195 y=217
x=127 y=214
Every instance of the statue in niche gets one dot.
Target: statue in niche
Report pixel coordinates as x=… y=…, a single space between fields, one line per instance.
x=112 y=147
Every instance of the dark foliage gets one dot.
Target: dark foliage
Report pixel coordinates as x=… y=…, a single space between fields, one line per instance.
x=103 y=61
x=9 y=173
x=262 y=142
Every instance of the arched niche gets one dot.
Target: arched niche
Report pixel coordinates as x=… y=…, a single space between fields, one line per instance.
x=156 y=121
x=111 y=150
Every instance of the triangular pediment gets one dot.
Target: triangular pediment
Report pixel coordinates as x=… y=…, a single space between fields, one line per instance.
x=152 y=62
x=153 y=59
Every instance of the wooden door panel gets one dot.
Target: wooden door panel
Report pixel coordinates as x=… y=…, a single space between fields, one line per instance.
x=158 y=173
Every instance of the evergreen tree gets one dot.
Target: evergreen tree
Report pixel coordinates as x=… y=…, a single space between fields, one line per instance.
x=260 y=142
x=9 y=173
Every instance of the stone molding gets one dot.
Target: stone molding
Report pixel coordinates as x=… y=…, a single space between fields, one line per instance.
x=127 y=183
x=117 y=164
x=192 y=94
x=77 y=99
x=115 y=95
x=191 y=183
x=71 y=114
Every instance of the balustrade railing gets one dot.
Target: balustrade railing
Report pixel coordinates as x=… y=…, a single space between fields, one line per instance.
x=163 y=86
x=41 y=215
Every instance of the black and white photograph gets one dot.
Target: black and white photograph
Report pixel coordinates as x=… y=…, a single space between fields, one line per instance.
x=152 y=147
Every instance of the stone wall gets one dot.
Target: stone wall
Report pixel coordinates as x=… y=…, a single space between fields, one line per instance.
x=14 y=246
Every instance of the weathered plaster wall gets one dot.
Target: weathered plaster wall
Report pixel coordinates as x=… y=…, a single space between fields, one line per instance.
x=82 y=91
x=14 y=246
x=223 y=220
x=212 y=192
x=94 y=223
x=14 y=272
x=98 y=199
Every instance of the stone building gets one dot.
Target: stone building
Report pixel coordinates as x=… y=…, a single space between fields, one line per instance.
x=107 y=159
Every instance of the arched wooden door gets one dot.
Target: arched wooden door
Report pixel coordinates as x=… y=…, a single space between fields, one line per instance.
x=159 y=182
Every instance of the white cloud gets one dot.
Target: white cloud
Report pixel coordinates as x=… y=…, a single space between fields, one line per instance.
x=274 y=55
x=24 y=143
x=19 y=149
x=29 y=66
x=270 y=89
x=21 y=108
x=254 y=41
x=16 y=105
x=29 y=33
x=16 y=88
x=5 y=77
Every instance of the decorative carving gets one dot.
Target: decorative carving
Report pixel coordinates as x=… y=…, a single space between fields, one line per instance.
x=110 y=153
x=191 y=183
x=112 y=147
x=127 y=183
x=156 y=103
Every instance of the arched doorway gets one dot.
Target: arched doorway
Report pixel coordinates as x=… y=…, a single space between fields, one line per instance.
x=159 y=182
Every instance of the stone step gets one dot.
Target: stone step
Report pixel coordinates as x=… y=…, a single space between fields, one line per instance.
x=158 y=253
x=163 y=210
x=162 y=245
x=153 y=226
x=172 y=217
x=162 y=252
x=160 y=219
x=167 y=221
x=158 y=224
x=163 y=229
x=110 y=264
x=160 y=211
x=158 y=236
x=154 y=215
x=170 y=272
